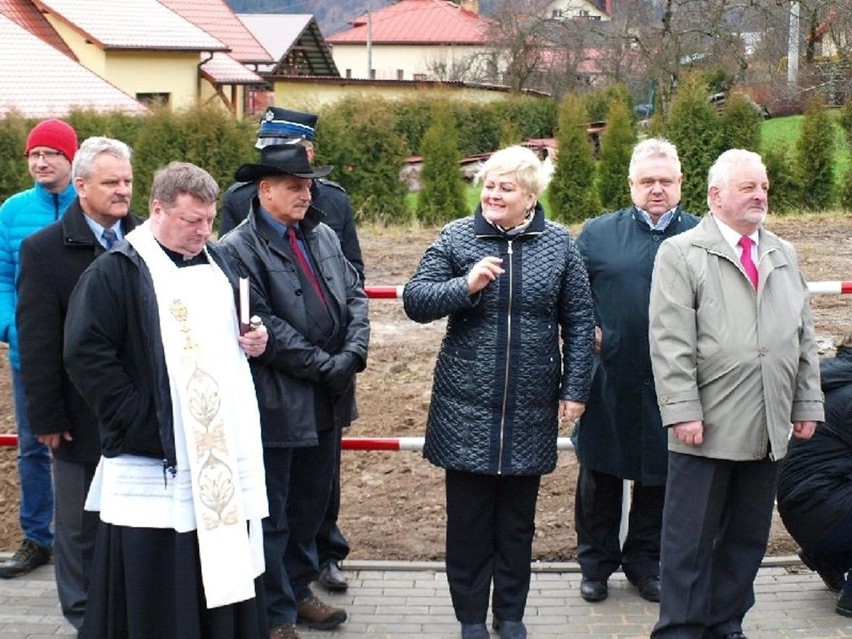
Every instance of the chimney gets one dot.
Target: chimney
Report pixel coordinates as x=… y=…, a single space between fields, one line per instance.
x=471 y=5
x=608 y=7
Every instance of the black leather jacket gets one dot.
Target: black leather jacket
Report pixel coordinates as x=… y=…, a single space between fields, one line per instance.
x=291 y=377
x=500 y=374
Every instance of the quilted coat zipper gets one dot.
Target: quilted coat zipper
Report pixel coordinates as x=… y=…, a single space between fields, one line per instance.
x=508 y=363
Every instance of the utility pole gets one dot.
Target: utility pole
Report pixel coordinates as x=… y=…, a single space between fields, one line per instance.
x=793 y=46
x=369 y=43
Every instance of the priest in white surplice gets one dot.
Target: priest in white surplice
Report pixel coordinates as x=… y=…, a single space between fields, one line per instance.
x=153 y=343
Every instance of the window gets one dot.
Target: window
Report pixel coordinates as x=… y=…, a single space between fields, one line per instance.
x=400 y=74
x=154 y=99
x=420 y=77
x=348 y=74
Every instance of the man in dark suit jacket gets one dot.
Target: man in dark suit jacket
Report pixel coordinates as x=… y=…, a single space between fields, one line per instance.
x=52 y=260
x=620 y=436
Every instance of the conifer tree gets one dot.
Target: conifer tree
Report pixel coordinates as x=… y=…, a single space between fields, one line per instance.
x=740 y=124
x=815 y=157
x=572 y=193
x=441 y=196
x=693 y=127
x=783 y=189
x=616 y=147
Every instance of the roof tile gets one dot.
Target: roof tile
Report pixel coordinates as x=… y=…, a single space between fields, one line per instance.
x=25 y=14
x=132 y=24
x=56 y=84
x=215 y=17
x=418 y=22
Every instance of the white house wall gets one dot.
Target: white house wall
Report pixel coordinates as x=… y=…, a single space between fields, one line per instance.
x=403 y=62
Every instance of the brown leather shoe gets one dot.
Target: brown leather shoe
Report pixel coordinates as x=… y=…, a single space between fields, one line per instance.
x=284 y=631
x=318 y=615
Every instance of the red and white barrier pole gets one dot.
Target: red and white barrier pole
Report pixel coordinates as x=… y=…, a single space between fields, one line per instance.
x=835 y=288
x=412 y=443
x=384 y=292
x=829 y=288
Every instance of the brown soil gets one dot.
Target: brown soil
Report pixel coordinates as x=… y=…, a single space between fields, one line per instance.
x=393 y=502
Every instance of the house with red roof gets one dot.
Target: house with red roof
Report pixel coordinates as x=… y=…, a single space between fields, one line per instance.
x=416 y=40
x=172 y=52
x=231 y=76
x=579 y=10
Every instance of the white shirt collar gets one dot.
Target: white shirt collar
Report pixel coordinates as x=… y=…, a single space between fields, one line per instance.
x=731 y=236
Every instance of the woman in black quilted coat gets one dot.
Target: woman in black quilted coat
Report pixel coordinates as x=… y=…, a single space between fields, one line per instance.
x=515 y=360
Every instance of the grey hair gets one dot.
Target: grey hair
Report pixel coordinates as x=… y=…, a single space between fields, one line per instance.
x=719 y=175
x=91 y=148
x=650 y=148
x=533 y=176
x=178 y=178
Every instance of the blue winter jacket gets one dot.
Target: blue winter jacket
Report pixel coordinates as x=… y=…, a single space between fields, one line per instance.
x=22 y=214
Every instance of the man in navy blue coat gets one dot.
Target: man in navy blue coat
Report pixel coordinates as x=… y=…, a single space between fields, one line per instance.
x=620 y=436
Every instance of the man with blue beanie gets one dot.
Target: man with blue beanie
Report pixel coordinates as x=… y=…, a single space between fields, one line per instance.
x=49 y=150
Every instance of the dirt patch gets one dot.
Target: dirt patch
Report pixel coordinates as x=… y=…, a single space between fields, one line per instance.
x=393 y=502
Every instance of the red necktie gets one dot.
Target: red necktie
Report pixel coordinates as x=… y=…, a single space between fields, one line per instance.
x=745 y=259
x=303 y=263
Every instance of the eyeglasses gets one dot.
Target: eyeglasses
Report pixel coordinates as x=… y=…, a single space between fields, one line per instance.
x=32 y=156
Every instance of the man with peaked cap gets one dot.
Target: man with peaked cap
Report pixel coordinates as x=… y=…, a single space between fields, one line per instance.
x=310 y=298
x=49 y=150
x=283 y=126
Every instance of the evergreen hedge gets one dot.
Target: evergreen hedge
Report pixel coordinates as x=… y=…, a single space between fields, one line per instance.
x=815 y=158
x=441 y=197
x=693 y=127
x=616 y=148
x=572 y=193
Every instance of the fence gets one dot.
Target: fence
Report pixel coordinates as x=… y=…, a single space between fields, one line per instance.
x=838 y=287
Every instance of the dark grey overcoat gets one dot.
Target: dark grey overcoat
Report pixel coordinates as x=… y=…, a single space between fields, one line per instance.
x=621 y=432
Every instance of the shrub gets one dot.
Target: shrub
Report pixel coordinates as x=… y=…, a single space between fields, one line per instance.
x=740 y=122
x=783 y=190
x=616 y=148
x=358 y=139
x=572 y=194
x=814 y=165
x=441 y=197
x=14 y=175
x=693 y=127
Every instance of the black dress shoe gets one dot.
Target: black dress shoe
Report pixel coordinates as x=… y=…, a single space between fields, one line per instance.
x=649 y=588
x=594 y=590
x=26 y=559
x=844 y=604
x=734 y=635
x=332 y=578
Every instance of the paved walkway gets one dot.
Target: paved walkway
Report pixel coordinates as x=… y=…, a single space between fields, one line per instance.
x=404 y=600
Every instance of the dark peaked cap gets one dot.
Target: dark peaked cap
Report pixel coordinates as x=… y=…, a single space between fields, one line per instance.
x=281 y=159
x=284 y=123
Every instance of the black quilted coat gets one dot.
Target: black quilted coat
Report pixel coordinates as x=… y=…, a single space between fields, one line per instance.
x=500 y=373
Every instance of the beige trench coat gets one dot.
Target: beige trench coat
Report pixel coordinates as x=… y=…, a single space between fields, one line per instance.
x=743 y=361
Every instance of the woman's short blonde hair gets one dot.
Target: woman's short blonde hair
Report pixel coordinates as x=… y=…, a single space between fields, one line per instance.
x=532 y=175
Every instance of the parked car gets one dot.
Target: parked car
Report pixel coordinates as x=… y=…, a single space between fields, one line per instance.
x=718 y=101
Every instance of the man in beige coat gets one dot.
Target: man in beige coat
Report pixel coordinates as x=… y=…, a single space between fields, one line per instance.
x=736 y=369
